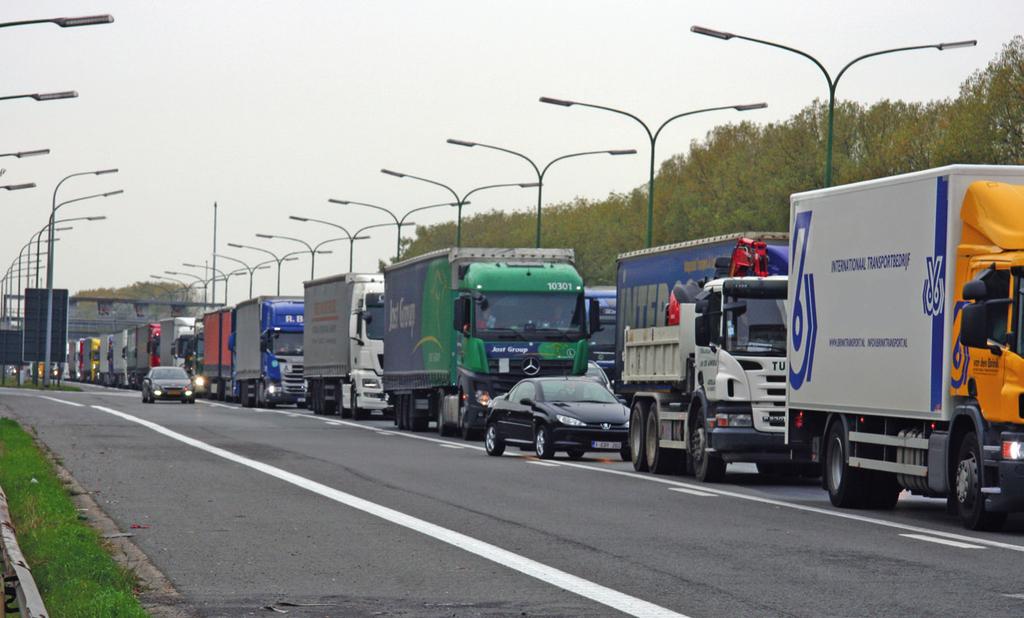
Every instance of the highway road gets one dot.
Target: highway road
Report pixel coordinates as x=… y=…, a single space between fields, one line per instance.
x=246 y=508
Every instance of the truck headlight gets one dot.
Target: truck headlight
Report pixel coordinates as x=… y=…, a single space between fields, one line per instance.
x=482 y=397
x=570 y=421
x=1013 y=449
x=371 y=383
x=272 y=389
x=200 y=380
x=734 y=420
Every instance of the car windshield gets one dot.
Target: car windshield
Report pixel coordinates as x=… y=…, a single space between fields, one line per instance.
x=576 y=391
x=375 y=321
x=756 y=326
x=595 y=372
x=529 y=315
x=168 y=373
x=287 y=344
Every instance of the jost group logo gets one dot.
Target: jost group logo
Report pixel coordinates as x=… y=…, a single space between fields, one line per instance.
x=804 y=331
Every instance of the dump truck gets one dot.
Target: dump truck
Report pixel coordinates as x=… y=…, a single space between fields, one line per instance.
x=464 y=325
x=905 y=347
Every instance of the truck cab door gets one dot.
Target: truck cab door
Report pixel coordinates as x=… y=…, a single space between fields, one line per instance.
x=986 y=365
x=706 y=352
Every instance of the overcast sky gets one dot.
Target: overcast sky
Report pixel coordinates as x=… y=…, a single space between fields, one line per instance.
x=271 y=108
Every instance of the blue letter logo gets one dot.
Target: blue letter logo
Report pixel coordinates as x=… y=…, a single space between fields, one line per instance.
x=934 y=287
x=804 y=329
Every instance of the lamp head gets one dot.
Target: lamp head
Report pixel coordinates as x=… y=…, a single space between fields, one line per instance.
x=392 y=173
x=459 y=142
x=235 y=245
x=53 y=96
x=264 y=235
x=615 y=153
x=955 y=45
x=718 y=34
x=295 y=218
x=747 y=108
x=32 y=153
x=562 y=102
x=88 y=20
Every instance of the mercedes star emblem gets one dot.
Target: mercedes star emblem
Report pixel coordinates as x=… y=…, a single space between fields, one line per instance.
x=531 y=366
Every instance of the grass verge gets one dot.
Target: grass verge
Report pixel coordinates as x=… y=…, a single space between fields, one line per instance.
x=39 y=387
x=74 y=573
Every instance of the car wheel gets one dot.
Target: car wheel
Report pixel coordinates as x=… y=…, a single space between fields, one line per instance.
x=707 y=467
x=637 y=420
x=970 y=502
x=576 y=453
x=493 y=444
x=543 y=443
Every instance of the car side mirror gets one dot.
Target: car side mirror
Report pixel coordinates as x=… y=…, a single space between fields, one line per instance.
x=526 y=401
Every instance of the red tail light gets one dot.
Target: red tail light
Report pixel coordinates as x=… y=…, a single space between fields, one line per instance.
x=798 y=421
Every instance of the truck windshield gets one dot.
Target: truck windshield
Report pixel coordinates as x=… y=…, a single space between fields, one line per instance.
x=755 y=326
x=287 y=344
x=529 y=315
x=375 y=321
x=605 y=336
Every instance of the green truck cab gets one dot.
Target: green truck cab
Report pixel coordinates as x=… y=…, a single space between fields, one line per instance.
x=465 y=325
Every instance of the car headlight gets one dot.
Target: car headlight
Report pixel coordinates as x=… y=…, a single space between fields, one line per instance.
x=570 y=421
x=371 y=383
x=200 y=380
x=158 y=392
x=482 y=397
x=188 y=393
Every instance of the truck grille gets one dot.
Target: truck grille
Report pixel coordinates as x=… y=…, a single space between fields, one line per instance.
x=293 y=381
x=547 y=368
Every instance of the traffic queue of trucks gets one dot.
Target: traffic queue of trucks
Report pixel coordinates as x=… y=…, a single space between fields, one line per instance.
x=877 y=344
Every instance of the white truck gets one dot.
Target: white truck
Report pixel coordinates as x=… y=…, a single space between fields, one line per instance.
x=906 y=355
x=122 y=340
x=711 y=389
x=344 y=344
x=177 y=336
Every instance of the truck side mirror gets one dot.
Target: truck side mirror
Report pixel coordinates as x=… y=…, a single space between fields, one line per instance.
x=701 y=331
x=462 y=311
x=264 y=342
x=594 y=315
x=974 y=324
x=975 y=289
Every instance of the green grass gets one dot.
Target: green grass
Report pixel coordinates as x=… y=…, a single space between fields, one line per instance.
x=74 y=573
x=10 y=383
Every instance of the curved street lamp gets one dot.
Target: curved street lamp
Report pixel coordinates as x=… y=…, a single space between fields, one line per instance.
x=652 y=136
x=349 y=237
x=250 y=269
x=460 y=201
x=399 y=222
x=541 y=172
x=832 y=82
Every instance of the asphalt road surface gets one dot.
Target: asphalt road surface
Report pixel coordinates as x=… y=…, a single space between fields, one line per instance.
x=246 y=508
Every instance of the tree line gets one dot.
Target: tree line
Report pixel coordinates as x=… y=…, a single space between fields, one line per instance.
x=741 y=175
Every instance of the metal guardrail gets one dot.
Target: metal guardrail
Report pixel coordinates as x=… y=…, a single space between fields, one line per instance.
x=20 y=592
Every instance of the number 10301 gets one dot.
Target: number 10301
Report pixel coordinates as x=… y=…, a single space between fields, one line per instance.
x=560 y=286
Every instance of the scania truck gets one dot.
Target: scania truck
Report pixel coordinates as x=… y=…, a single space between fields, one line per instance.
x=266 y=345
x=906 y=354
x=344 y=344
x=464 y=325
x=708 y=387
x=177 y=342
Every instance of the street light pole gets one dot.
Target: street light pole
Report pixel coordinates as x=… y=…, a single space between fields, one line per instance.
x=350 y=237
x=399 y=221
x=541 y=172
x=49 y=260
x=251 y=270
x=653 y=138
x=832 y=83
x=312 y=252
x=38 y=235
x=196 y=277
x=279 y=260
x=460 y=201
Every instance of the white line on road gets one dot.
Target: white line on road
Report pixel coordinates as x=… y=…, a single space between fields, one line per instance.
x=693 y=492
x=542 y=463
x=932 y=539
x=65 y=402
x=452 y=446
x=577 y=585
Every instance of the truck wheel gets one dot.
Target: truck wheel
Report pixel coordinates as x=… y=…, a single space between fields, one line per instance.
x=315 y=400
x=659 y=460
x=494 y=445
x=968 y=483
x=847 y=487
x=883 y=490
x=543 y=443
x=359 y=414
x=637 y=420
x=420 y=424
x=707 y=467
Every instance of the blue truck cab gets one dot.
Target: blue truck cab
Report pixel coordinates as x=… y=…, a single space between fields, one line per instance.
x=602 y=342
x=267 y=354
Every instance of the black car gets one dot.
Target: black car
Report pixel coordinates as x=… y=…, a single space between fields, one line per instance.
x=167 y=383
x=572 y=414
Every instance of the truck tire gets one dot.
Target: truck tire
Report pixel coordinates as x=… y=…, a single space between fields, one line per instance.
x=883 y=490
x=243 y=395
x=359 y=414
x=421 y=423
x=659 y=460
x=707 y=467
x=637 y=422
x=316 y=398
x=967 y=484
x=847 y=487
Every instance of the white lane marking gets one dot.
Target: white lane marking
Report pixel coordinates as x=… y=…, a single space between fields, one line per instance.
x=542 y=463
x=335 y=423
x=577 y=585
x=452 y=446
x=721 y=492
x=693 y=492
x=67 y=403
x=932 y=539
x=384 y=433
x=1017 y=595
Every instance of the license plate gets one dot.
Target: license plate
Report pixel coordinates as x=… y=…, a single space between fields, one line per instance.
x=607 y=445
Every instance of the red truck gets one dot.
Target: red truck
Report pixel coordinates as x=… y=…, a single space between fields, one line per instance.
x=213 y=369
